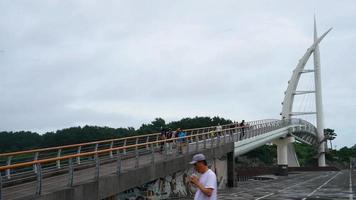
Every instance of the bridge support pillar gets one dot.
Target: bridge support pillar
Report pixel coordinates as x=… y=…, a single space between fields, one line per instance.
x=231 y=170
x=282 y=154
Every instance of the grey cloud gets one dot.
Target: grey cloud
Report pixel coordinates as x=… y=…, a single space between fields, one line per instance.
x=122 y=63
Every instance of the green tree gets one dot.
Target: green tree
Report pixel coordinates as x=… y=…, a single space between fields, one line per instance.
x=197 y=122
x=17 y=141
x=266 y=153
x=155 y=126
x=306 y=154
x=330 y=135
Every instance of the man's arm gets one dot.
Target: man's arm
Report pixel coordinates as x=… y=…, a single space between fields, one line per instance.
x=207 y=191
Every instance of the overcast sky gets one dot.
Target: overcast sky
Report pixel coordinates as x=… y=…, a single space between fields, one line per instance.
x=123 y=63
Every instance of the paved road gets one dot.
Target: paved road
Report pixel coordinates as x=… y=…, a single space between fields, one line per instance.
x=301 y=186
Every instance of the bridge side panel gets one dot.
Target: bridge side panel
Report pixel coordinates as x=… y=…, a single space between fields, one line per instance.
x=111 y=185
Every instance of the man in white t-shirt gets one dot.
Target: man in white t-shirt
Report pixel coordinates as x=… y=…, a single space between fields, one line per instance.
x=206 y=184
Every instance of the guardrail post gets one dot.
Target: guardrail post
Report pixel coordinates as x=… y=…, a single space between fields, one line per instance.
x=70 y=172
x=96 y=147
x=8 y=171
x=187 y=143
x=212 y=140
x=125 y=141
x=232 y=135
x=196 y=143
x=225 y=135
x=152 y=154
x=59 y=161
x=218 y=139
x=78 y=152
x=262 y=129
x=39 y=179
x=137 y=157
x=204 y=137
x=111 y=146
x=157 y=138
x=118 y=167
x=147 y=140
x=165 y=146
x=35 y=166
x=97 y=167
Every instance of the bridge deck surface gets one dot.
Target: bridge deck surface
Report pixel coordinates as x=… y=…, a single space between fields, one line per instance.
x=299 y=185
x=59 y=182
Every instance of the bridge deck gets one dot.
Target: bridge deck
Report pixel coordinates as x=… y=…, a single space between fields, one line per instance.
x=253 y=137
x=59 y=182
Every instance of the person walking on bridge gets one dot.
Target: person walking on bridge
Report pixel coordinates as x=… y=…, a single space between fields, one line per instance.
x=169 y=137
x=207 y=183
x=219 y=129
x=162 y=137
x=181 y=139
x=242 y=125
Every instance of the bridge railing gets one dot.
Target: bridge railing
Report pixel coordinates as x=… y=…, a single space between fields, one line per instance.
x=199 y=132
x=59 y=151
x=193 y=142
x=307 y=133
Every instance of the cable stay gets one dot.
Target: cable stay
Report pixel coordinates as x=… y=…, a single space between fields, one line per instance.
x=302 y=113
x=307 y=71
x=303 y=92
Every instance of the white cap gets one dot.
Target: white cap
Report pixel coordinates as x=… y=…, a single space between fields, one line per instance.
x=196 y=158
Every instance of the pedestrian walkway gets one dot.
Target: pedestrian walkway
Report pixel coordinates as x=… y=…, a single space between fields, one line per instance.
x=332 y=185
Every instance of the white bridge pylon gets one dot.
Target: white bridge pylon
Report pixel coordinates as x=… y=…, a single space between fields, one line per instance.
x=291 y=91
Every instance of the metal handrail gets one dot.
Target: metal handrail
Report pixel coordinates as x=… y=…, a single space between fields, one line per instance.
x=79 y=155
x=13 y=166
x=126 y=147
x=59 y=151
x=103 y=141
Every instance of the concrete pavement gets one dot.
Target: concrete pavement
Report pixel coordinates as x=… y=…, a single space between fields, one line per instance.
x=302 y=186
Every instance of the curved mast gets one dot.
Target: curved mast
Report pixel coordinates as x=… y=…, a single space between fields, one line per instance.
x=287 y=109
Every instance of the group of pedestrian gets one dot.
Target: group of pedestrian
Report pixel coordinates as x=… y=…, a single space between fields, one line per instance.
x=242 y=126
x=168 y=138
